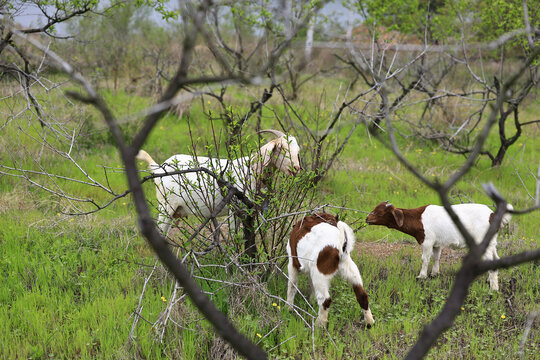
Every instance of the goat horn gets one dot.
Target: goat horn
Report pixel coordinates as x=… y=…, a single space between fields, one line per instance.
x=275 y=132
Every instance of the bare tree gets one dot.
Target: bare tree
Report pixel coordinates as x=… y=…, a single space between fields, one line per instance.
x=21 y=67
x=378 y=64
x=473 y=265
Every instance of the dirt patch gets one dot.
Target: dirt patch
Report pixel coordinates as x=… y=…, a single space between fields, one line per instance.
x=384 y=250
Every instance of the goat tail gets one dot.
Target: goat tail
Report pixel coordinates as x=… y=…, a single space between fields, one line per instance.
x=346 y=238
x=506 y=217
x=143 y=156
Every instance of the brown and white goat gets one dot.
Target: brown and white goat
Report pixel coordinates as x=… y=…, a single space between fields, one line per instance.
x=433 y=228
x=321 y=246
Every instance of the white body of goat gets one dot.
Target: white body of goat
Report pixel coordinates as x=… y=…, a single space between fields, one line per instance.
x=434 y=229
x=197 y=193
x=321 y=246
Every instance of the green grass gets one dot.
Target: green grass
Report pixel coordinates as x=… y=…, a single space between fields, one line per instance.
x=70 y=285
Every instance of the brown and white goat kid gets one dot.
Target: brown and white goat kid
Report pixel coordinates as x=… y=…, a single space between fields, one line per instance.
x=321 y=246
x=433 y=228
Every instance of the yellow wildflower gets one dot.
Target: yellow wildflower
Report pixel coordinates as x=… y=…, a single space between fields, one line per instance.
x=503 y=316
x=274 y=304
x=163 y=299
x=462 y=308
x=259 y=335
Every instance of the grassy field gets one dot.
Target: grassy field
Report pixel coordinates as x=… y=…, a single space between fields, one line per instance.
x=71 y=284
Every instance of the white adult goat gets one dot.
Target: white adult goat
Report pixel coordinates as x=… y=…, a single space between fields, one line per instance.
x=198 y=193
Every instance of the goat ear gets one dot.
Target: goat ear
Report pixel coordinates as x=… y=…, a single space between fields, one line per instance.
x=398 y=216
x=263 y=157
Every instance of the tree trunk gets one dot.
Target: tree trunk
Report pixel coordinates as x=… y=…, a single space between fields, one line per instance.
x=498 y=159
x=309 y=41
x=248 y=222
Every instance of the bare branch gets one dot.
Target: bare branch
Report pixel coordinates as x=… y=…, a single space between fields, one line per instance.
x=528 y=29
x=509 y=261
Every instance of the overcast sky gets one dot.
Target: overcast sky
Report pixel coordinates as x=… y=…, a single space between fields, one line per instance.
x=31 y=16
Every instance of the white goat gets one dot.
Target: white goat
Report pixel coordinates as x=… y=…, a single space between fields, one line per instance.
x=433 y=228
x=198 y=194
x=321 y=246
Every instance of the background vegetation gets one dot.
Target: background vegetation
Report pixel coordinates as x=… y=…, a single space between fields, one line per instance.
x=82 y=283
